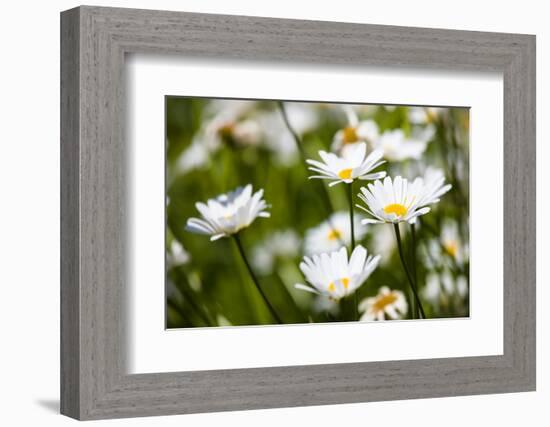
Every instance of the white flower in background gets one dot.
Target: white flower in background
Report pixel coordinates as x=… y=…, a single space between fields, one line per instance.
x=278 y=139
x=228 y=213
x=227 y=124
x=388 y=304
x=302 y=116
x=276 y=135
x=423 y=120
x=393 y=201
x=280 y=244
x=354 y=164
x=243 y=132
x=451 y=242
x=434 y=186
x=195 y=156
x=383 y=243
x=355 y=131
x=231 y=125
x=424 y=115
x=332 y=234
x=332 y=275
x=442 y=286
x=177 y=254
x=423 y=133
x=396 y=146
x=247 y=132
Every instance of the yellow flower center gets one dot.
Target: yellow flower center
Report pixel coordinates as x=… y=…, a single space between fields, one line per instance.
x=384 y=301
x=451 y=247
x=345 y=173
x=397 y=209
x=350 y=135
x=226 y=131
x=334 y=234
x=345 y=283
x=432 y=116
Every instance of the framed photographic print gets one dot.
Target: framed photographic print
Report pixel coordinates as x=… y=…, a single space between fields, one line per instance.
x=262 y=213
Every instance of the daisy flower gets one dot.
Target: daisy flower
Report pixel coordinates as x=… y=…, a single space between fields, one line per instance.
x=331 y=234
x=228 y=213
x=451 y=242
x=388 y=304
x=396 y=146
x=354 y=164
x=355 y=132
x=333 y=275
x=227 y=123
x=231 y=123
x=394 y=200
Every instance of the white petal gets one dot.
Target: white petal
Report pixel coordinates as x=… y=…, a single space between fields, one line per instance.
x=217 y=236
x=306 y=288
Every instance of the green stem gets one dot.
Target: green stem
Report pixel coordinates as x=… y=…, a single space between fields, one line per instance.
x=291 y=130
x=352 y=229
x=254 y=279
x=413 y=250
x=324 y=194
x=407 y=273
x=351 y=222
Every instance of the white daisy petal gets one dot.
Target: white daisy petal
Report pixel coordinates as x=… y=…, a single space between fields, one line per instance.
x=306 y=288
x=353 y=164
x=397 y=200
x=333 y=275
x=228 y=213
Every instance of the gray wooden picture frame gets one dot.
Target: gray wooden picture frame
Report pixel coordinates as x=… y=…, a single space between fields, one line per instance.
x=94 y=41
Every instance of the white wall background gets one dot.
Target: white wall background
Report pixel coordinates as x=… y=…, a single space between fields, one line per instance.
x=29 y=212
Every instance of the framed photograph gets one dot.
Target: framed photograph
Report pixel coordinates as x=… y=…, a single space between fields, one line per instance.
x=262 y=213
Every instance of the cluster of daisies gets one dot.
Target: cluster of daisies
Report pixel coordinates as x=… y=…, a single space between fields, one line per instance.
x=334 y=267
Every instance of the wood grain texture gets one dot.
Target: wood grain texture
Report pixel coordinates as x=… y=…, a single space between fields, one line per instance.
x=94 y=201
x=70 y=314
